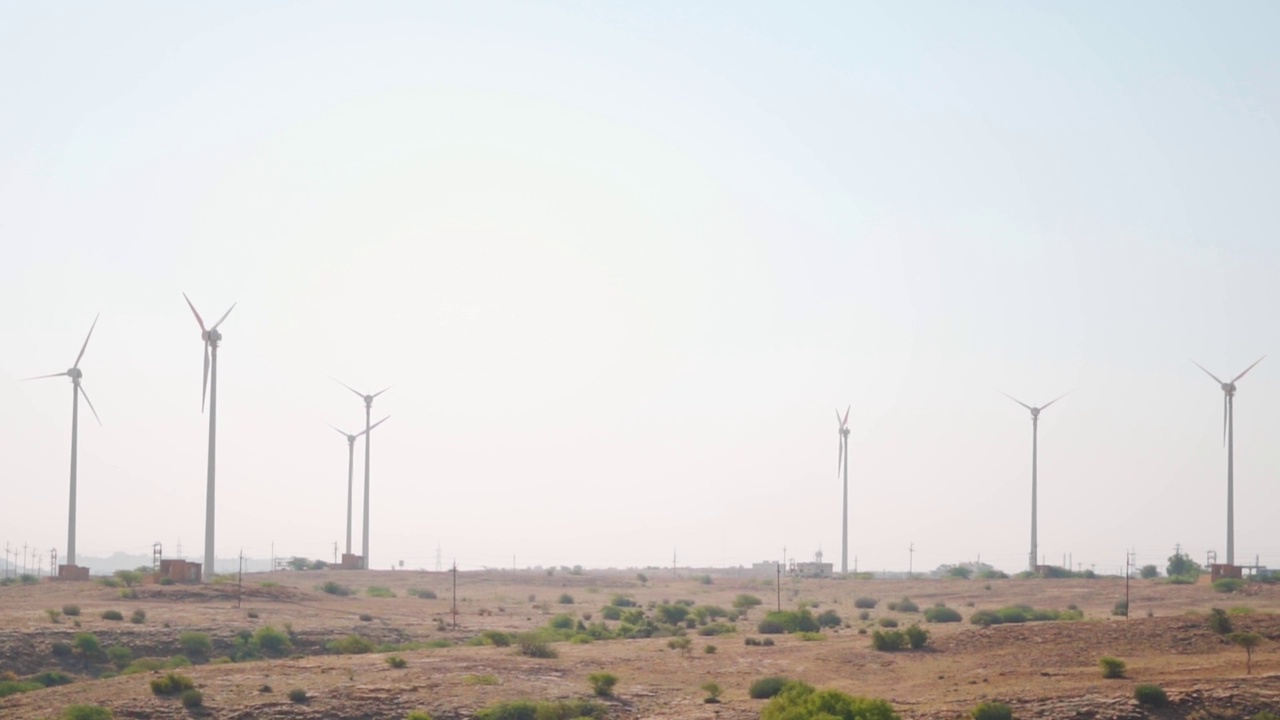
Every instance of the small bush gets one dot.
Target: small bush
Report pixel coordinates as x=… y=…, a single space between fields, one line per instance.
x=991 y=711
x=713 y=691
x=602 y=683
x=829 y=618
x=864 y=615
x=297 y=695
x=917 y=637
x=195 y=644
x=788 y=621
x=13 y=687
x=138 y=617
x=480 y=680
x=366 y=617
x=252 y=614
x=418 y=715
x=1112 y=668
x=334 y=588
x=172 y=684
x=566 y=599
x=746 y=602
x=423 y=594
x=271 y=641
x=51 y=678
x=192 y=698
x=119 y=656
x=865 y=603
x=887 y=623
x=766 y=687
x=87 y=712
x=681 y=644
x=1227 y=585
x=1219 y=622
x=535 y=646
x=810 y=636
x=942 y=614
x=547 y=710
x=71 y=610
x=53 y=615
x=709 y=649
x=60 y=648
x=798 y=700
x=350 y=645
x=888 y=641
x=397 y=662
x=87 y=644
x=1120 y=609
x=905 y=605
x=378 y=591
x=1150 y=695
x=112 y=615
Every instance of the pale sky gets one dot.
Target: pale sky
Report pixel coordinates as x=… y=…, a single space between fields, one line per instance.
x=621 y=261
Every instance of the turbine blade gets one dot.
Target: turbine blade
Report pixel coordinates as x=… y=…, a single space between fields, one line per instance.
x=371 y=427
x=845 y=421
x=1013 y=398
x=224 y=316
x=193 y=312
x=86 y=399
x=335 y=427
x=204 y=385
x=382 y=391
x=95 y=324
x=1264 y=357
x=1042 y=407
x=357 y=392
x=41 y=377
x=838 y=416
x=1206 y=372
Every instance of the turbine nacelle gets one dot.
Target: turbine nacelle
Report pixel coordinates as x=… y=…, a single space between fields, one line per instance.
x=213 y=336
x=75 y=374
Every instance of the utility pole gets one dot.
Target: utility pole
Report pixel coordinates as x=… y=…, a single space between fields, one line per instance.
x=24 y=558
x=1128 y=561
x=240 y=580
x=335 y=552
x=455 y=594
x=911 y=558
x=779 y=588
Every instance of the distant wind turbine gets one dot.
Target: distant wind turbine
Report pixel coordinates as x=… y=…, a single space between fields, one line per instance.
x=1228 y=437
x=1035 y=433
x=351 y=459
x=843 y=460
x=76 y=391
x=209 y=389
x=368 y=410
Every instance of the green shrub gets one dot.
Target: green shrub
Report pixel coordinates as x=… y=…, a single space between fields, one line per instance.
x=985 y=618
x=480 y=680
x=112 y=615
x=13 y=687
x=397 y=662
x=1227 y=585
x=611 y=612
x=1150 y=695
x=829 y=618
x=1149 y=571
x=602 y=683
x=562 y=622
x=566 y=599
x=334 y=588
x=681 y=644
x=671 y=614
x=422 y=594
x=864 y=615
x=746 y=602
x=51 y=678
x=942 y=614
x=60 y=648
x=350 y=645
x=53 y=615
x=71 y=610
x=887 y=623
x=535 y=645
x=547 y=710
x=497 y=638
x=709 y=649
x=865 y=603
x=1219 y=622
x=993 y=574
x=798 y=700
x=138 y=617
x=1112 y=668
x=171 y=684
x=418 y=715
x=917 y=637
x=713 y=629
x=1121 y=608
x=297 y=695
x=767 y=687
x=991 y=711
x=87 y=644
x=272 y=641
x=378 y=591
x=905 y=605
x=366 y=617
x=888 y=641
x=788 y=621
x=195 y=644
x=622 y=601
x=87 y=712
x=192 y=698
x=810 y=636
x=119 y=656
x=713 y=691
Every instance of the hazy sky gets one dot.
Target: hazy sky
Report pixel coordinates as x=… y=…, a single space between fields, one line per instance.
x=621 y=261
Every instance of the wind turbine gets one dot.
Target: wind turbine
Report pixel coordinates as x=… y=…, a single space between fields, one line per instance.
x=76 y=391
x=351 y=459
x=843 y=460
x=1228 y=437
x=368 y=410
x=1035 y=433
x=209 y=389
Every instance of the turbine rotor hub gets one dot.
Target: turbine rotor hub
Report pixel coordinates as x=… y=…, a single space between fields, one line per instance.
x=75 y=374
x=1229 y=388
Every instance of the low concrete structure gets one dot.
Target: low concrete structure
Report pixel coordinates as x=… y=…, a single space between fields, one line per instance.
x=1220 y=571
x=73 y=572
x=181 y=571
x=351 y=561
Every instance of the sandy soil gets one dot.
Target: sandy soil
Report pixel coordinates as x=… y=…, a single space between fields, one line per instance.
x=1043 y=670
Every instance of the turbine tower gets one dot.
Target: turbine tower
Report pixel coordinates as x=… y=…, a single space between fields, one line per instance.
x=843 y=460
x=76 y=391
x=1228 y=436
x=351 y=460
x=368 y=410
x=209 y=389
x=1035 y=434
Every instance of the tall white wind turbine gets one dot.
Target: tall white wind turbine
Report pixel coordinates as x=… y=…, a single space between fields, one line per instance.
x=843 y=461
x=209 y=389
x=368 y=410
x=1035 y=436
x=351 y=460
x=1229 y=437
x=76 y=391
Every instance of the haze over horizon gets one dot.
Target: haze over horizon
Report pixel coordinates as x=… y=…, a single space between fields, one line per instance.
x=621 y=262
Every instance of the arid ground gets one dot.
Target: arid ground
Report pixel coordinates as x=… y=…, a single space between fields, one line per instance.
x=1041 y=669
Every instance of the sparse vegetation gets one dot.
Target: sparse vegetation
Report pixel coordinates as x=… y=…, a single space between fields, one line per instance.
x=545 y=710
x=171 y=684
x=602 y=683
x=942 y=614
x=1150 y=696
x=1227 y=585
x=334 y=588
x=1219 y=622
x=917 y=637
x=87 y=712
x=1112 y=668
x=195 y=644
x=888 y=640
x=418 y=715
x=1121 y=608
x=991 y=711
x=71 y=610
x=535 y=645
x=746 y=602
x=112 y=615
x=713 y=691
x=886 y=622
x=350 y=645
x=480 y=680
x=767 y=687
x=397 y=662
x=297 y=695
x=566 y=599
x=681 y=644
x=1248 y=641
x=788 y=621
x=138 y=617
x=192 y=698
x=377 y=591
x=1021 y=614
